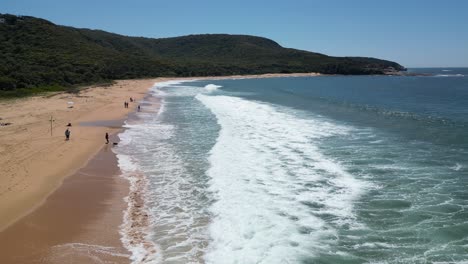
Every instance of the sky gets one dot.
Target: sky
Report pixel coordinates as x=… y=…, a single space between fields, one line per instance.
x=414 y=33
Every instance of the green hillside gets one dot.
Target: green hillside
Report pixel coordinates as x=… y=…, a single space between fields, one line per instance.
x=37 y=55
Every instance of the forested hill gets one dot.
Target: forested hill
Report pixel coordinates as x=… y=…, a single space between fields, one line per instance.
x=37 y=55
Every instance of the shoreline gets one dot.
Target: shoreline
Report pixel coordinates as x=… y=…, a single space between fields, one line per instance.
x=98 y=104
x=30 y=128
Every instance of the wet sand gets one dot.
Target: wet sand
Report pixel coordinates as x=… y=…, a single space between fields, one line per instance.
x=78 y=223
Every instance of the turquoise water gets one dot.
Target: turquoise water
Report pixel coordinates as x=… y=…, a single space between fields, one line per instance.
x=335 y=169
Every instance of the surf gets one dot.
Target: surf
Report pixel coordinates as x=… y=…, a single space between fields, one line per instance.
x=275 y=192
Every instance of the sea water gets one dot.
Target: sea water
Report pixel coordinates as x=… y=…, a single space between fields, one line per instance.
x=331 y=169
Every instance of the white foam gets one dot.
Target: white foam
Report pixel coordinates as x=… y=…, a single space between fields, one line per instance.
x=212 y=87
x=374 y=245
x=157 y=91
x=449 y=75
x=273 y=186
x=151 y=164
x=125 y=162
x=171 y=83
x=136 y=228
x=457 y=167
x=134 y=234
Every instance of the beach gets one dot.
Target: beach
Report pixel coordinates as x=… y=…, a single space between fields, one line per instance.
x=29 y=148
x=35 y=162
x=179 y=185
x=85 y=213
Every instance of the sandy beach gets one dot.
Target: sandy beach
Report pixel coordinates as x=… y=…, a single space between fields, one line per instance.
x=85 y=213
x=79 y=222
x=33 y=161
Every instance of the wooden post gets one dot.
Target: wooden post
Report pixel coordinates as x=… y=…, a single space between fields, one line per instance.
x=51 y=121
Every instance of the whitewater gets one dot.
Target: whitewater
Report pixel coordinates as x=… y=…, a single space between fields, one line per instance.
x=261 y=171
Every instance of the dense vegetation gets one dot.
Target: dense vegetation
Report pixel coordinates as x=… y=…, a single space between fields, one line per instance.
x=37 y=55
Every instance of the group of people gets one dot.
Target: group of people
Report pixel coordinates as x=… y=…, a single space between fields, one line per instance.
x=131 y=101
x=68 y=132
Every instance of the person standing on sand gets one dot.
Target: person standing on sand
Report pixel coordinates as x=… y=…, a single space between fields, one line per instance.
x=107 y=138
x=67 y=134
x=139 y=108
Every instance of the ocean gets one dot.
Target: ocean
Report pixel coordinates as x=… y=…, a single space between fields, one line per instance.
x=329 y=169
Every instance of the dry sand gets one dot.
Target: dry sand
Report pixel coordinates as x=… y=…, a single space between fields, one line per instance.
x=79 y=222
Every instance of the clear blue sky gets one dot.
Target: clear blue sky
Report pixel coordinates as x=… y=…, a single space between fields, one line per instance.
x=415 y=33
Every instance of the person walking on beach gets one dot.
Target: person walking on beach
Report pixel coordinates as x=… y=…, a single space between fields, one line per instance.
x=67 y=134
x=139 y=108
x=107 y=138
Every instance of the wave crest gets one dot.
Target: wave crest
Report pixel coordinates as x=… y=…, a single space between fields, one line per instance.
x=212 y=87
